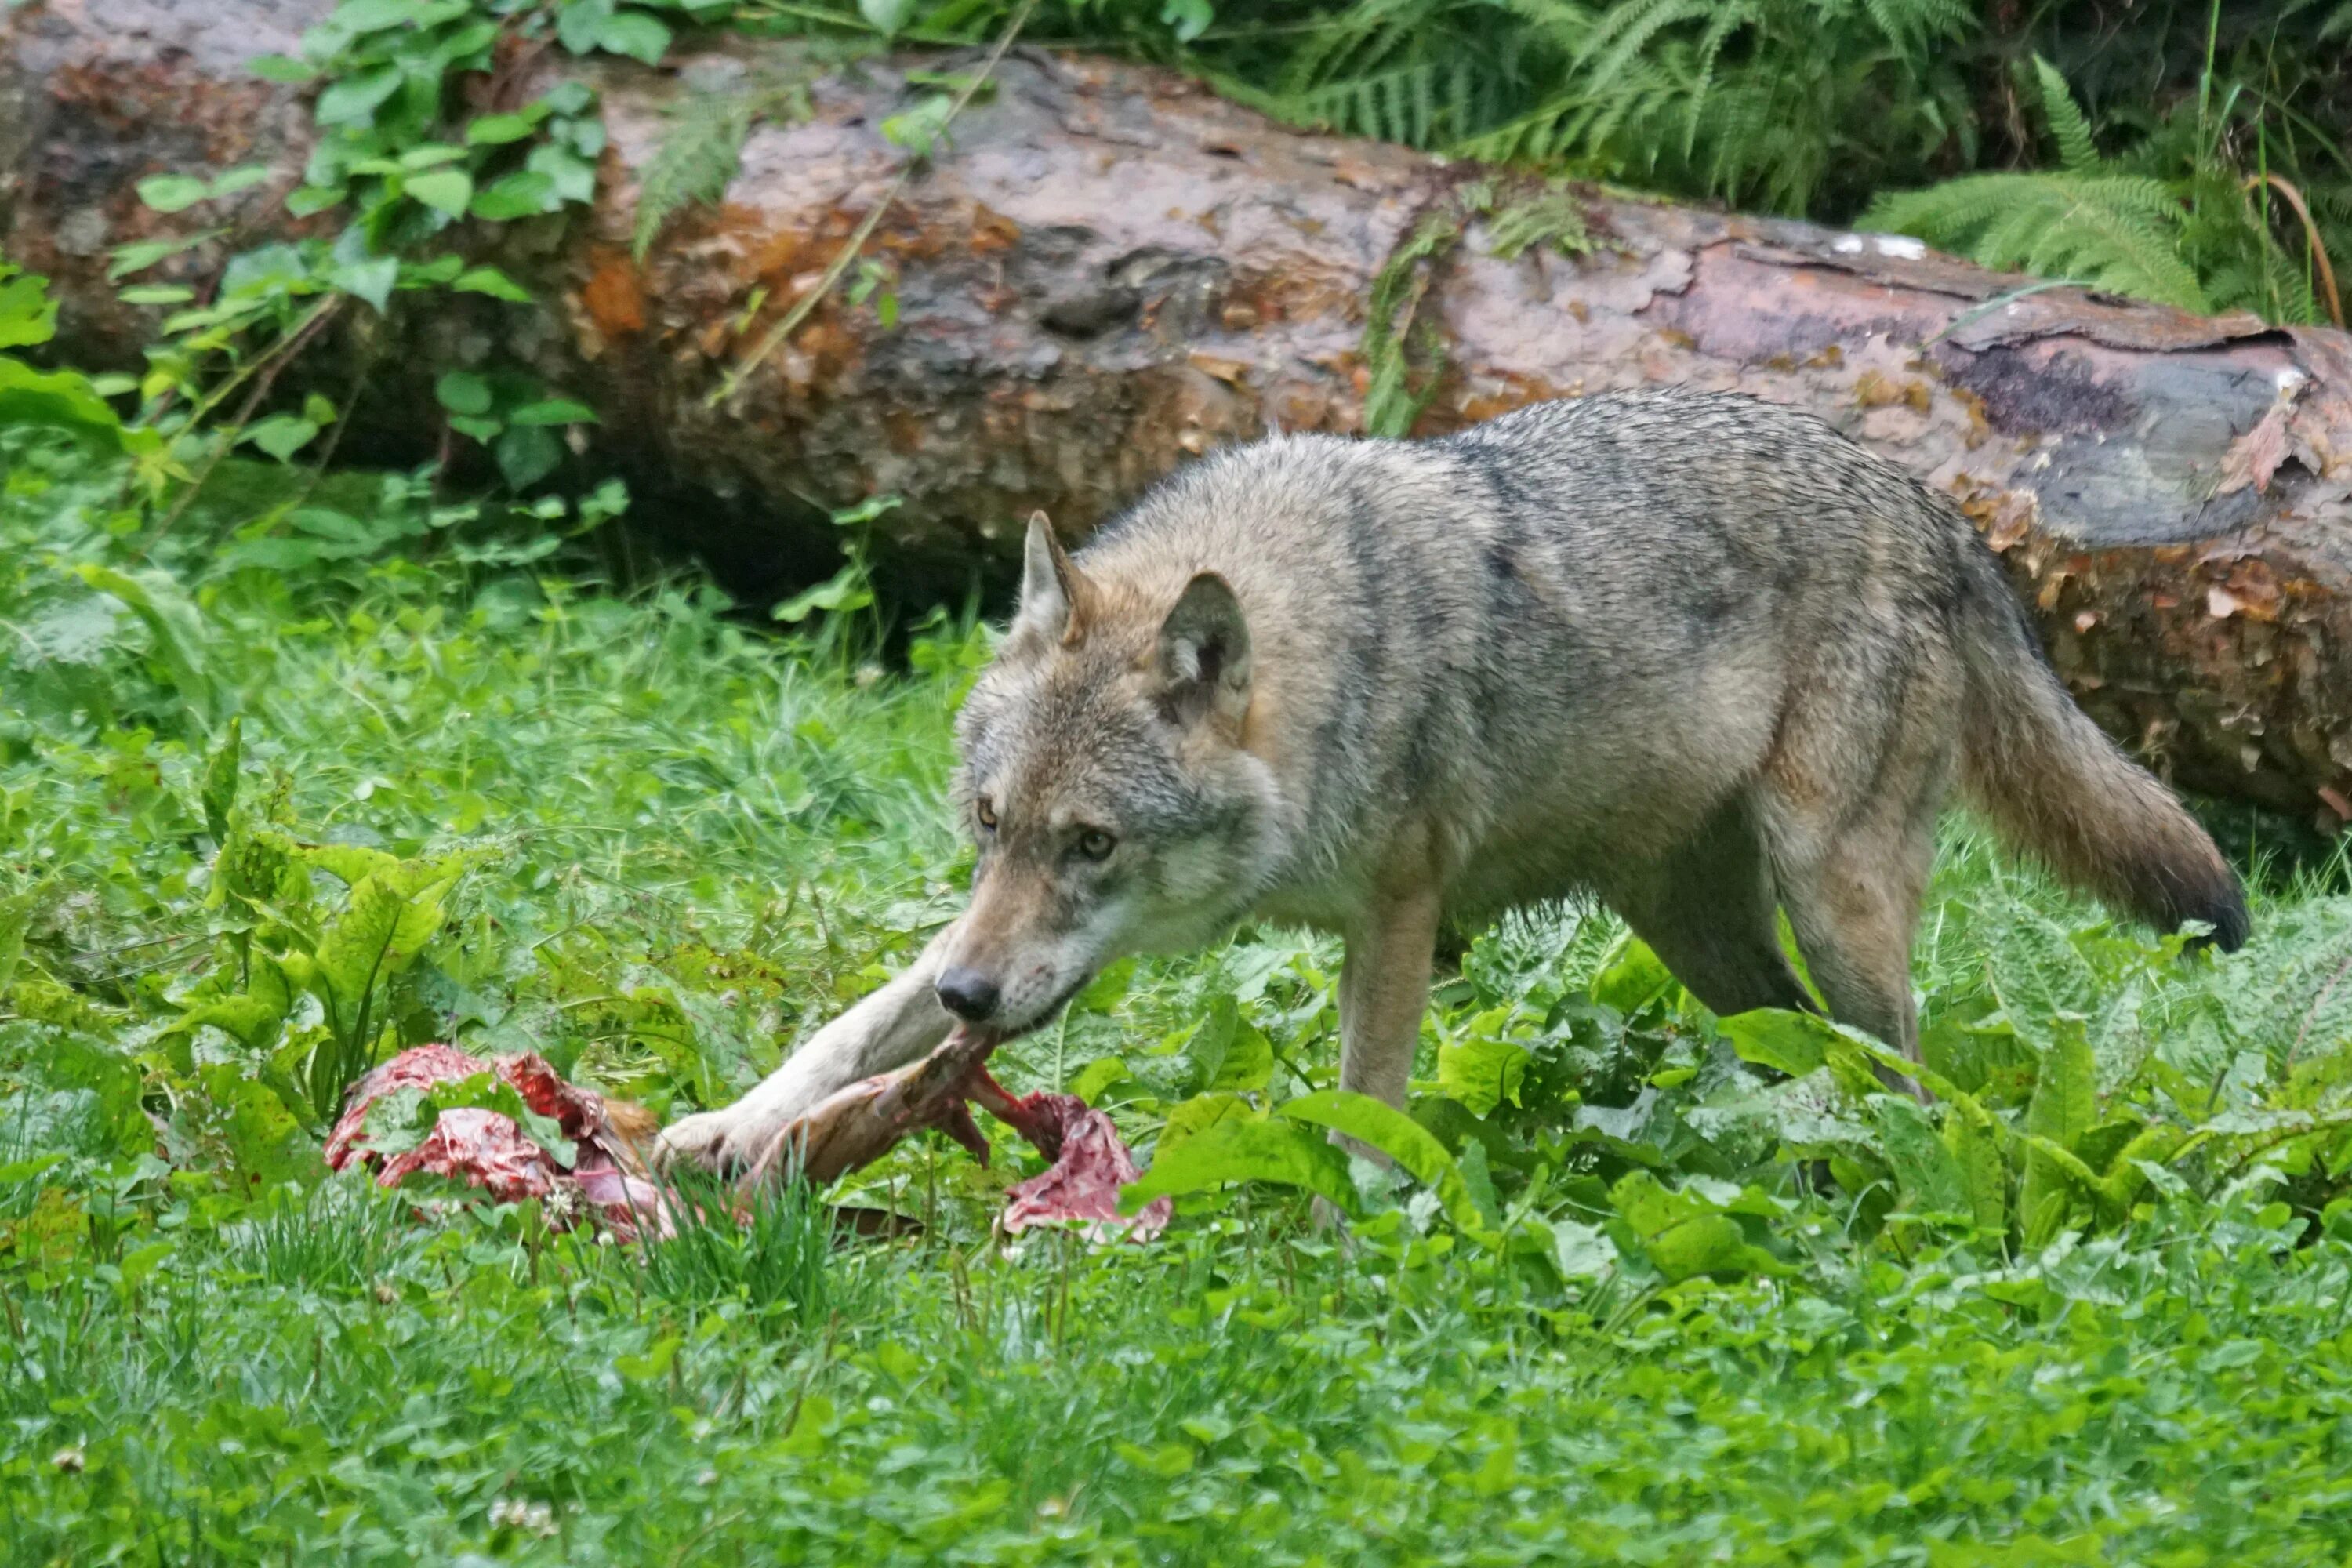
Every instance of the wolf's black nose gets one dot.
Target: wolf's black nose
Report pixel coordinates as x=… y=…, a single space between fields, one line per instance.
x=967 y=994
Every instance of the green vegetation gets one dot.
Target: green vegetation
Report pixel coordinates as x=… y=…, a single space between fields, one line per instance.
x=1641 y=1296
x=2218 y=130
x=300 y=765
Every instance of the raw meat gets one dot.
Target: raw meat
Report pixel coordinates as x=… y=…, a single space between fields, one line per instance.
x=492 y=1152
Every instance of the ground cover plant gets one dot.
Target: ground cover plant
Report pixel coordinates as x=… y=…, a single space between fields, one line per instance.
x=300 y=766
x=1651 y=1284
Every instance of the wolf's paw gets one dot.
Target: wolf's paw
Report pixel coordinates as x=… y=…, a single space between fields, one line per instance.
x=723 y=1142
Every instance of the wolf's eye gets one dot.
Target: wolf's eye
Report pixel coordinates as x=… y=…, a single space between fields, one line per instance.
x=1095 y=845
x=985 y=809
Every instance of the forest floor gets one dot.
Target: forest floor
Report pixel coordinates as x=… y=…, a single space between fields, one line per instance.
x=1661 y=1304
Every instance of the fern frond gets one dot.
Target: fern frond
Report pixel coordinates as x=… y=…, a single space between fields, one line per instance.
x=2121 y=233
x=696 y=162
x=2077 y=154
x=1913 y=27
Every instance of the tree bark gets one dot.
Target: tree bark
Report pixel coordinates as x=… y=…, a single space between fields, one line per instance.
x=1105 y=269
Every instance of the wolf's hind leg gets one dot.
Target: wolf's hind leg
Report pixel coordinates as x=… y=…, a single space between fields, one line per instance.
x=1852 y=891
x=1706 y=909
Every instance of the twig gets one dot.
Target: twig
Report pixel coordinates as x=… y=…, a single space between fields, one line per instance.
x=849 y=252
x=343 y=423
x=2311 y=237
x=277 y=360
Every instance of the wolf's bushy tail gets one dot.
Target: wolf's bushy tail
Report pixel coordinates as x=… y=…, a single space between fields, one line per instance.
x=2059 y=790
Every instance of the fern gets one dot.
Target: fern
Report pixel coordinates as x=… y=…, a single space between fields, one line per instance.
x=2076 y=153
x=1760 y=102
x=696 y=162
x=2116 y=232
x=2174 y=222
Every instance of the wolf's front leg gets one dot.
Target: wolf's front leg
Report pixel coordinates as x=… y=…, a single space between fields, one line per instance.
x=1383 y=991
x=901 y=1021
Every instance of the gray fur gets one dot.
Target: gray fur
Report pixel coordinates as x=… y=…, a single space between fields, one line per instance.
x=1691 y=653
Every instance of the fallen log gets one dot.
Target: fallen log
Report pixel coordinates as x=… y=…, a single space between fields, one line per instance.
x=1107 y=270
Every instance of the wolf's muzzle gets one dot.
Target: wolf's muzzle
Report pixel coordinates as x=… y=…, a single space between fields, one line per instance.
x=967 y=994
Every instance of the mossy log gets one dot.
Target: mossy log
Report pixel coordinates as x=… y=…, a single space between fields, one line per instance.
x=1106 y=269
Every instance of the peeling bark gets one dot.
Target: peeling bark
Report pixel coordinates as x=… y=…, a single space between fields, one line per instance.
x=1109 y=270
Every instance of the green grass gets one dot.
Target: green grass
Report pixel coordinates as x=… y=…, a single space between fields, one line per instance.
x=689 y=840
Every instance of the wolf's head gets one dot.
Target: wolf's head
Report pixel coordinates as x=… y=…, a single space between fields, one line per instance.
x=1104 y=779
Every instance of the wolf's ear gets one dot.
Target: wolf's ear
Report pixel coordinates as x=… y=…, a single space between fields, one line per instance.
x=1204 y=652
x=1053 y=594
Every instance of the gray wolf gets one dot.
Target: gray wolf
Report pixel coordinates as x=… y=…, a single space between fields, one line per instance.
x=1688 y=654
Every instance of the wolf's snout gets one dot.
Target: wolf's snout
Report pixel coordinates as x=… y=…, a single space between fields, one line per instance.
x=967 y=994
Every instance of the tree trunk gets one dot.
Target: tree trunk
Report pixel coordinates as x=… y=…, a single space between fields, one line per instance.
x=1105 y=269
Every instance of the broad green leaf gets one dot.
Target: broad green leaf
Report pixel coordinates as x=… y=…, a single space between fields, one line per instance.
x=496 y=129
x=553 y=411
x=1196 y=1115
x=371 y=279
x=1582 y=1251
x=1478 y=1068
x=578 y=22
x=27 y=314
x=1708 y=1244
x=282 y=434
x=267 y=271
x=353 y=100
x=16 y=913
x=444 y=190
x=1412 y=1146
x=570 y=177
x=282 y=69
x=249 y=1020
x=491 y=281
x=1205 y=1053
x=526 y=454
x=636 y=35
x=374 y=16
x=463 y=391
x=65 y=400
x=1187 y=19
x=305 y=200
x=523 y=194
x=221 y=778
x=1794 y=1043
x=156 y=598
x=2064 y=1105
x=844 y=590
x=172 y=192
x=1923 y=1168
x=241 y=178
x=377 y=935
x=265 y=1145
x=1245 y=1149
x=130 y=259
x=350 y=864
x=2066 y=1093
x=1685 y=1231
x=1974 y=1141
x=1097 y=1075
x=1248 y=1064
x=1633 y=980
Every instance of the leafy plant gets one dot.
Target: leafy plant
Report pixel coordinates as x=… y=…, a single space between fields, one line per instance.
x=58 y=399
x=2174 y=220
